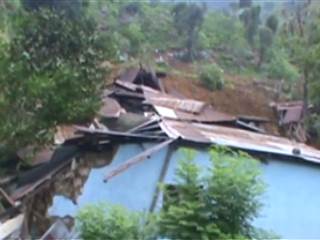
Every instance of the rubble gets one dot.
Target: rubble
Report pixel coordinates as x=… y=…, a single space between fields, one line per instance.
x=290 y=115
x=136 y=109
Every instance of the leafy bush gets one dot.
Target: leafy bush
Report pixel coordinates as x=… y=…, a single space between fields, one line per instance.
x=272 y=23
x=50 y=75
x=216 y=204
x=265 y=40
x=313 y=127
x=211 y=76
x=221 y=31
x=280 y=67
x=115 y=223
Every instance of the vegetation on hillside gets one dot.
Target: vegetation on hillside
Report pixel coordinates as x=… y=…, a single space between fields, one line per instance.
x=48 y=45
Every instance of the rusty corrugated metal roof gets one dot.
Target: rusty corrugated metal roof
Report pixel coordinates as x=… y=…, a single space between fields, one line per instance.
x=170 y=107
x=242 y=139
x=187 y=105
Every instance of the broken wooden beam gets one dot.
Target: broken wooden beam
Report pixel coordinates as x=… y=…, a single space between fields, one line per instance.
x=115 y=135
x=138 y=158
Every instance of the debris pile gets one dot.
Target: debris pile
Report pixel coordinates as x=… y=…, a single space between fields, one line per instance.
x=135 y=109
x=290 y=115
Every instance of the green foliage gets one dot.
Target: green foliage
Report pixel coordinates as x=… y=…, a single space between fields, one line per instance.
x=222 y=31
x=265 y=40
x=272 y=23
x=251 y=20
x=72 y=8
x=188 y=19
x=50 y=75
x=158 y=31
x=217 y=204
x=100 y=222
x=313 y=126
x=280 y=68
x=211 y=76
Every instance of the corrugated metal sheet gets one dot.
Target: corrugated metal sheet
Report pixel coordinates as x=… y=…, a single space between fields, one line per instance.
x=208 y=114
x=185 y=109
x=290 y=112
x=187 y=105
x=204 y=133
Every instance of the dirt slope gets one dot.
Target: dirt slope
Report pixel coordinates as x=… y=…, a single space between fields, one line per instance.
x=241 y=96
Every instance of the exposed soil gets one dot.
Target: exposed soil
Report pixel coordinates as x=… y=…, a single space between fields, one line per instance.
x=241 y=95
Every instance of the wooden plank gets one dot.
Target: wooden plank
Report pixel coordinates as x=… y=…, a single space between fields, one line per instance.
x=249 y=127
x=143 y=125
x=162 y=175
x=137 y=159
x=119 y=135
x=7 y=197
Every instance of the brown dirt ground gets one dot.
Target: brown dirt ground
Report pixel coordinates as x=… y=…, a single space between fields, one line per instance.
x=241 y=95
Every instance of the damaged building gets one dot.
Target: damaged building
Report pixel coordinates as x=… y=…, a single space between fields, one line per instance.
x=134 y=143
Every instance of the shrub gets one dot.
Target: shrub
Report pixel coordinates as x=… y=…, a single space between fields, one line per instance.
x=216 y=204
x=221 y=31
x=211 y=76
x=114 y=223
x=313 y=127
x=280 y=67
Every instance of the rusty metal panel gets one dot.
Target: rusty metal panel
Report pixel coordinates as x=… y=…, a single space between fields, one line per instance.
x=290 y=112
x=242 y=139
x=184 y=130
x=185 y=109
x=187 y=105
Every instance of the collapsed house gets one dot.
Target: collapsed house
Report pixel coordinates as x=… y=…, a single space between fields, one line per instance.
x=134 y=143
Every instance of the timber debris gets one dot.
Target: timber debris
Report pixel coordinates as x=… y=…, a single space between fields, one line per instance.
x=135 y=108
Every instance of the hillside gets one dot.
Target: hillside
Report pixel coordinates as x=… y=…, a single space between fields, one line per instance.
x=242 y=95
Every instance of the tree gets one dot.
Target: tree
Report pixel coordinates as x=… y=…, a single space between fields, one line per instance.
x=221 y=30
x=251 y=20
x=218 y=205
x=188 y=19
x=272 y=23
x=72 y=8
x=50 y=75
x=266 y=39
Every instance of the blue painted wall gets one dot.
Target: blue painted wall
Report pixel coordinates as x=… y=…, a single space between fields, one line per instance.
x=133 y=188
x=292 y=200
